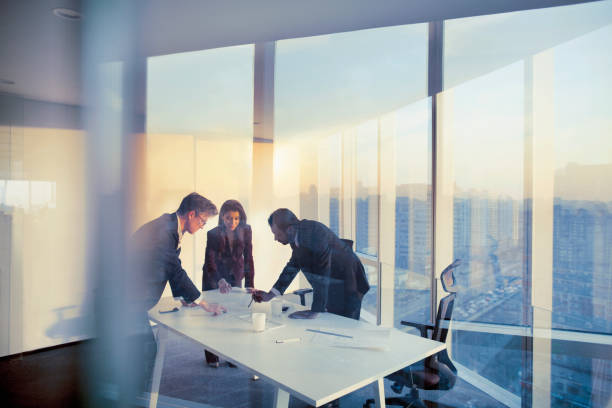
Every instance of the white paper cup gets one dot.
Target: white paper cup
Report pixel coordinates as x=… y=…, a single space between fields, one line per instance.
x=263 y=307
x=276 y=307
x=259 y=321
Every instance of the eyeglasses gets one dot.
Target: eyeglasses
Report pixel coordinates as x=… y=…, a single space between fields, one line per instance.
x=202 y=219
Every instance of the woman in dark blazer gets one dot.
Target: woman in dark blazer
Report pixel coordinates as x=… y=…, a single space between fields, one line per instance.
x=229 y=255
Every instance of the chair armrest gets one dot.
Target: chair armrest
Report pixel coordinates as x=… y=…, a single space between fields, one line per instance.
x=422 y=327
x=302 y=294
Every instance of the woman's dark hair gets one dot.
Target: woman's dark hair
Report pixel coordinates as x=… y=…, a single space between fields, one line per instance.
x=232 y=205
x=197 y=203
x=283 y=218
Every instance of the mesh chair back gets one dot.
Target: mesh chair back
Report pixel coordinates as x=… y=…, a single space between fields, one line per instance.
x=447 y=277
x=443 y=318
x=445 y=312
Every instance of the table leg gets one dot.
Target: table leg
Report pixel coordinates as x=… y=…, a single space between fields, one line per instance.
x=159 y=364
x=281 y=398
x=379 y=392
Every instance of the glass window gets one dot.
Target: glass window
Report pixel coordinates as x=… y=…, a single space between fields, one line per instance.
x=199 y=135
x=582 y=242
x=496 y=70
x=582 y=220
x=485 y=122
x=488 y=172
x=413 y=227
x=487 y=132
x=369 y=303
x=330 y=83
x=342 y=84
x=366 y=188
x=42 y=207
x=335 y=182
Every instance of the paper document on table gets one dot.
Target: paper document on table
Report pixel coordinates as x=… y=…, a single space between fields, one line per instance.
x=371 y=339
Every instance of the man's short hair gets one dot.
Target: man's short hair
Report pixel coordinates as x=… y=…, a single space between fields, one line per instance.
x=197 y=203
x=282 y=218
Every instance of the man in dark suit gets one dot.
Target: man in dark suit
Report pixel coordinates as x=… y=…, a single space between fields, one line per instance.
x=336 y=274
x=155 y=261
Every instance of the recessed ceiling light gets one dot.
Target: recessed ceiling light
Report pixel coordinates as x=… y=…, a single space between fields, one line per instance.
x=67 y=14
x=6 y=82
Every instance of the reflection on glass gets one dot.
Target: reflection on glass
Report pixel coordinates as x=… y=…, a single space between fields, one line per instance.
x=492 y=74
x=366 y=204
x=329 y=83
x=487 y=217
x=413 y=228
x=583 y=197
x=199 y=135
x=488 y=158
x=370 y=300
x=475 y=46
x=487 y=130
x=337 y=86
x=335 y=181
x=201 y=92
x=582 y=230
x=366 y=189
x=27 y=195
x=42 y=225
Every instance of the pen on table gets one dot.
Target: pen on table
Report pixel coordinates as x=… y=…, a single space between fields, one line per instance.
x=330 y=333
x=293 y=340
x=176 y=309
x=250 y=303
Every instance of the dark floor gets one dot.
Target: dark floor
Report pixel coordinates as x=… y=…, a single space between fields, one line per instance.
x=51 y=379
x=48 y=378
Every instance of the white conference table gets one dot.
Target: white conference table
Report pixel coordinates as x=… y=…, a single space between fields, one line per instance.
x=317 y=369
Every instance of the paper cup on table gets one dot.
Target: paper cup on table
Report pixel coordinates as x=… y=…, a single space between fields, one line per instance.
x=276 y=306
x=263 y=307
x=259 y=321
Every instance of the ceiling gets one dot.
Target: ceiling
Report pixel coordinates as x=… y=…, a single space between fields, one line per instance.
x=41 y=53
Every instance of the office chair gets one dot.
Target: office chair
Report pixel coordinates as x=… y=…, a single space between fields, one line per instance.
x=302 y=294
x=436 y=372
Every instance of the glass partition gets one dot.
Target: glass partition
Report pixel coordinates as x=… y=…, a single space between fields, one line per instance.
x=199 y=136
x=413 y=214
x=43 y=223
x=366 y=188
x=529 y=122
x=582 y=214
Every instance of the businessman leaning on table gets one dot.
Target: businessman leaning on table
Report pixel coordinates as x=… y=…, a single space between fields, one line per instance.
x=155 y=249
x=330 y=265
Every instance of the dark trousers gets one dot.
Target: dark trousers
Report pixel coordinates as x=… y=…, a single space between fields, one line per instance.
x=147 y=347
x=351 y=308
x=343 y=303
x=212 y=358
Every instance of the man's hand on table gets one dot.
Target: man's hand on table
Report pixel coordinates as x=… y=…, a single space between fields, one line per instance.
x=304 y=314
x=261 y=296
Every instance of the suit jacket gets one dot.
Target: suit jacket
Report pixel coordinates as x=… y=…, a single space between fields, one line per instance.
x=155 y=261
x=233 y=264
x=327 y=262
